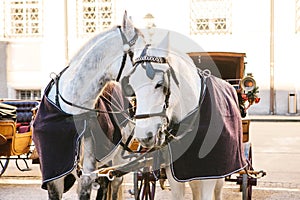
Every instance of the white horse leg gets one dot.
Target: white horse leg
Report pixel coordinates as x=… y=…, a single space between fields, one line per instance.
x=116 y=184
x=207 y=188
x=204 y=189
x=102 y=193
x=55 y=189
x=89 y=165
x=219 y=188
x=116 y=188
x=195 y=187
x=177 y=188
x=85 y=187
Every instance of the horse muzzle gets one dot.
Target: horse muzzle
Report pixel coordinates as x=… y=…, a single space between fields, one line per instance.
x=149 y=141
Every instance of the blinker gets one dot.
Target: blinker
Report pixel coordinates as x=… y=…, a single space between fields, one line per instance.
x=150 y=71
x=126 y=88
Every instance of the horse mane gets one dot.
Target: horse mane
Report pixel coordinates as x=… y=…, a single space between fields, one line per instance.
x=104 y=119
x=92 y=50
x=88 y=68
x=111 y=99
x=189 y=84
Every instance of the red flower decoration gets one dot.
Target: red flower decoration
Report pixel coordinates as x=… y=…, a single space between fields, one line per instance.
x=257 y=100
x=244 y=97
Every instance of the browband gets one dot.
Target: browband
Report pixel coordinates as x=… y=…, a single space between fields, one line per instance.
x=147 y=58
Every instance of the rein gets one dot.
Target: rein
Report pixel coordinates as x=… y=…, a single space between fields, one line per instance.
x=126 y=48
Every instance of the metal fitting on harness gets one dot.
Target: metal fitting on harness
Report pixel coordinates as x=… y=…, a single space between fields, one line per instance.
x=100 y=173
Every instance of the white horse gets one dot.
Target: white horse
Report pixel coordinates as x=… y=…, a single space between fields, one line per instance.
x=168 y=88
x=105 y=57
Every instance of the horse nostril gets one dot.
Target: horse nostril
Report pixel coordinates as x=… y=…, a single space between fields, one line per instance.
x=150 y=135
x=146 y=142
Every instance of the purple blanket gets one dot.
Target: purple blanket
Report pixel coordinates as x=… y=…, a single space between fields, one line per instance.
x=56 y=139
x=212 y=147
x=57 y=135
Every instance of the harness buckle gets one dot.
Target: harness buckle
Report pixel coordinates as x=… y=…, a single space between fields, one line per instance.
x=103 y=172
x=205 y=73
x=126 y=47
x=53 y=76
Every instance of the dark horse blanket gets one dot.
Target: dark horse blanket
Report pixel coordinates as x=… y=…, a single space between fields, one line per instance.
x=211 y=143
x=57 y=134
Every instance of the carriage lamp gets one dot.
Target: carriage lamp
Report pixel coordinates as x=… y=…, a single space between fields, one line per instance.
x=247 y=94
x=248 y=83
x=149 y=20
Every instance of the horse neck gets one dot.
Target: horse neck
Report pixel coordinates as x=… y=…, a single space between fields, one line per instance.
x=187 y=93
x=89 y=71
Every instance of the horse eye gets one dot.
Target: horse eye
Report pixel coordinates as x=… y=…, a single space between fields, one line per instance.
x=159 y=84
x=126 y=88
x=128 y=91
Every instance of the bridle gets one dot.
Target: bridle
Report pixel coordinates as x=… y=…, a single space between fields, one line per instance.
x=126 y=51
x=167 y=93
x=145 y=61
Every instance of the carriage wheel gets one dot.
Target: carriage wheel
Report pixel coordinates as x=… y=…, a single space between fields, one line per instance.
x=144 y=186
x=3 y=164
x=246 y=186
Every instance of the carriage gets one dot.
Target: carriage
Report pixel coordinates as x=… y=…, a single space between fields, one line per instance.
x=16 y=133
x=229 y=66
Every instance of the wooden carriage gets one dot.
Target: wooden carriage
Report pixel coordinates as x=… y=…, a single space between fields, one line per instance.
x=15 y=129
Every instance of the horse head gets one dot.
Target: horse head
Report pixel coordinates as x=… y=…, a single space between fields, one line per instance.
x=162 y=81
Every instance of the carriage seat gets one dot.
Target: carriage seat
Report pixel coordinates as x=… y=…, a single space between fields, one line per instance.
x=24 y=113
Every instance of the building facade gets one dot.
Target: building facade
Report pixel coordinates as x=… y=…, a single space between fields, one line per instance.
x=38 y=37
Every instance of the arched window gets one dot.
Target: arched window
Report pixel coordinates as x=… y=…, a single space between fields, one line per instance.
x=210 y=16
x=94 y=16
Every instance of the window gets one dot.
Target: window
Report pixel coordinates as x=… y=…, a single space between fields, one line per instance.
x=297 y=19
x=23 y=18
x=210 y=17
x=28 y=94
x=94 y=16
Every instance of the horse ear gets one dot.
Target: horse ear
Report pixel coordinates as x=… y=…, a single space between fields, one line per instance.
x=127 y=25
